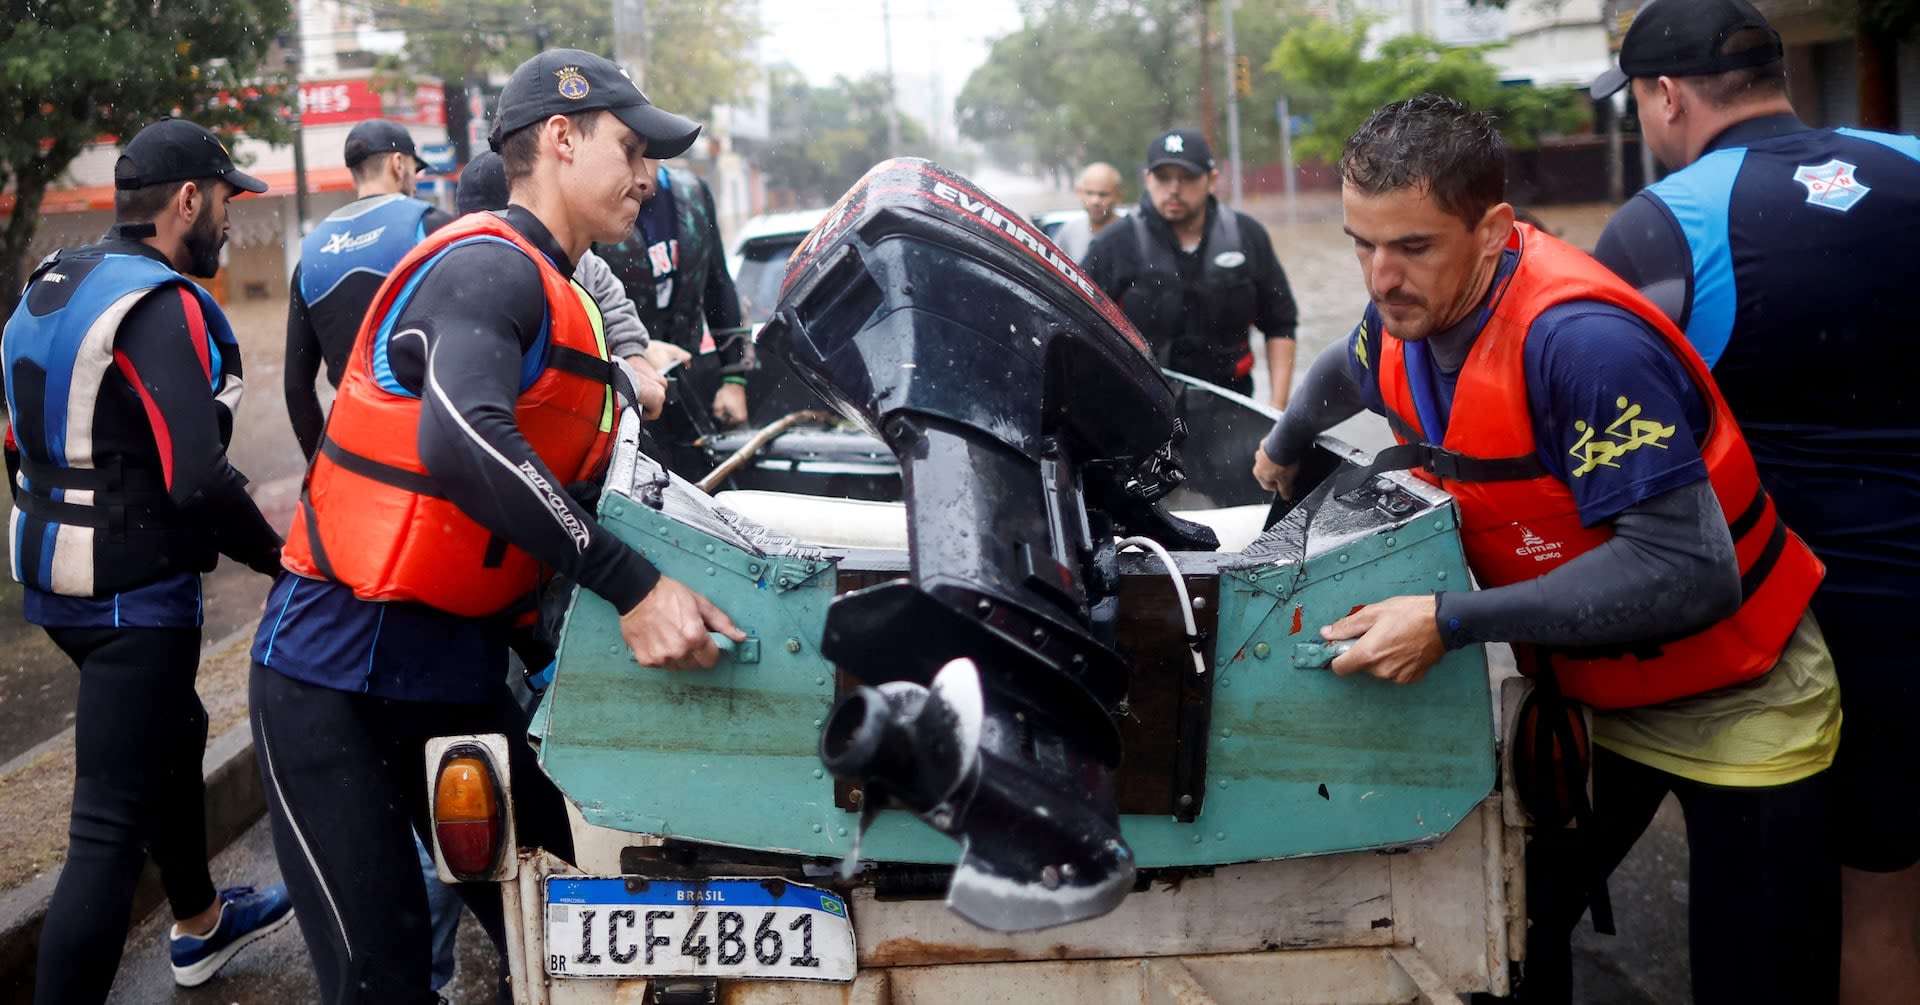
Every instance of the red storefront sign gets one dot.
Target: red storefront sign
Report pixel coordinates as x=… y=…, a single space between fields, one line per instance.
x=330 y=101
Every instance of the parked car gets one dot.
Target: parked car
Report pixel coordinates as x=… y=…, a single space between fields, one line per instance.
x=758 y=258
x=1052 y=220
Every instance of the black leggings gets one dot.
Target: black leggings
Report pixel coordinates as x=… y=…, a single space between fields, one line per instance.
x=346 y=781
x=139 y=735
x=1763 y=883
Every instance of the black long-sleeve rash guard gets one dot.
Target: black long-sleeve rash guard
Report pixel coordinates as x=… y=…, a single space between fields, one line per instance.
x=1670 y=567
x=189 y=427
x=459 y=343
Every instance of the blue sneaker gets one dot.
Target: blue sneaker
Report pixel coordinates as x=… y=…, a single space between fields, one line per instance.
x=245 y=915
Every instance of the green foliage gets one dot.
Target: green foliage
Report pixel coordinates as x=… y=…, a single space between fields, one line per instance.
x=1898 y=19
x=1325 y=72
x=73 y=70
x=1086 y=80
x=825 y=138
x=697 y=50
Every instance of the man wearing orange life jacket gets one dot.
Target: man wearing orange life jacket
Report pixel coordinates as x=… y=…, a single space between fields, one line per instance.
x=1612 y=515
x=479 y=390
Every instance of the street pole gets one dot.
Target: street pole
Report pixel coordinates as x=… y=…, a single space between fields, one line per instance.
x=630 y=38
x=1284 y=114
x=1206 y=73
x=299 y=133
x=893 y=112
x=1233 y=105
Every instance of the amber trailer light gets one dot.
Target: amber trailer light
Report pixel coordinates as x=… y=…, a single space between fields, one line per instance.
x=472 y=807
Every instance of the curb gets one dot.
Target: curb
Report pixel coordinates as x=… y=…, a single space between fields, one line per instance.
x=235 y=801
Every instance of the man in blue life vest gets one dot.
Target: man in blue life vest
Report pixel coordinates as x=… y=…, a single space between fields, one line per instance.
x=345 y=259
x=1613 y=518
x=1196 y=277
x=436 y=507
x=122 y=381
x=1787 y=254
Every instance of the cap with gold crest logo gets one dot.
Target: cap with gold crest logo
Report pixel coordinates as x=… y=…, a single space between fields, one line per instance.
x=569 y=81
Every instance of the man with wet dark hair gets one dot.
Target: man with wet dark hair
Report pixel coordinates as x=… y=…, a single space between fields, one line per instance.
x=1612 y=516
x=1787 y=255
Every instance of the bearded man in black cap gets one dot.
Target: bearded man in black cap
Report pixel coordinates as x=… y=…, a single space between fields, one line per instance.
x=435 y=509
x=345 y=259
x=122 y=380
x=1195 y=276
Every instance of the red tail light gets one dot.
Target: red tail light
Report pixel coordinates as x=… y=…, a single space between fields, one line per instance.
x=467 y=817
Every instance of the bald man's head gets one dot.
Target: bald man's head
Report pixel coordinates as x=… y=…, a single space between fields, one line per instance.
x=1099 y=191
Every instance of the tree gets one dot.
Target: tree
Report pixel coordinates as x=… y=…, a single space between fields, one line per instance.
x=1327 y=76
x=73 y=71
x=1086 y=80
x=824 y=138
x=698 y=49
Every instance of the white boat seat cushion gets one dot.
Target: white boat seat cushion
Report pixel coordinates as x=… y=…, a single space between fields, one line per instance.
x=860 y=523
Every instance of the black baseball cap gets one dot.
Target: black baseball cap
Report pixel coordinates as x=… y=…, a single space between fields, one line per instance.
x=483 y=184
x=1684 y=38
x=173 y=150
x=567 y=81
x=1185 y=147
x=378 y=136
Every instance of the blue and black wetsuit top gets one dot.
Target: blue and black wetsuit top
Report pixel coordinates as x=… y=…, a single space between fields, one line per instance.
x=343 y=262
x=1788 y=254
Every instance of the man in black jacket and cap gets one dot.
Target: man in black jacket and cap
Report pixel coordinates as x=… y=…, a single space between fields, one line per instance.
x=1195 y=276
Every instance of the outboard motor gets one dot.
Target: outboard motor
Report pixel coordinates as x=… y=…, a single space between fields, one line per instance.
x=1031 y=426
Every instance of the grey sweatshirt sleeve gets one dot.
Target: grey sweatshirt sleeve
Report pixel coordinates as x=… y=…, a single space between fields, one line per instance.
x=626 y=334
x=1670 y=569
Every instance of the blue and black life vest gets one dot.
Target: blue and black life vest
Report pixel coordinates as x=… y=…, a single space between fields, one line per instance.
x=344 y=261
x=89 y=521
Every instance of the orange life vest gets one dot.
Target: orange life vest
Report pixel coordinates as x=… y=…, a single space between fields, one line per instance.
x=371 y=517
x=1519 y=522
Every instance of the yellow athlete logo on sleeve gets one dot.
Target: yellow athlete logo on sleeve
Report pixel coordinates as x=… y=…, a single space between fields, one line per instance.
x=1360 y=346
x=1627 y=433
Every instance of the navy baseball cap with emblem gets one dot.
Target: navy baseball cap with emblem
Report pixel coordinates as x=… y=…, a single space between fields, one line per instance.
x=173 y=150
x=1185 y=147
x=1687 y=38
x=378 y=136
x=569 y=81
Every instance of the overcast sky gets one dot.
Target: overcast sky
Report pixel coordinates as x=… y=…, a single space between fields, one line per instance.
x=829 y=38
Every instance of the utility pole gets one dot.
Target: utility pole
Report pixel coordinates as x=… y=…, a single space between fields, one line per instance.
x=934 y=118
x=1284 y=113
x=893 y=112
x=1233 y=105
x=299 y=58
x=630 y=38
x=1206 y=73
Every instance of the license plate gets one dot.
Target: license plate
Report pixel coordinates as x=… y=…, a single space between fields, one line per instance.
x=753 y=928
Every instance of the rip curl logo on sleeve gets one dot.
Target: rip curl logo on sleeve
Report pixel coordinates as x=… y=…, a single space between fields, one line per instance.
x=573 y=84
x=1627 y=433
x=1832 y=185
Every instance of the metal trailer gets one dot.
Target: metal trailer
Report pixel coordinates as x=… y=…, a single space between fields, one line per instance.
x=1300 y=837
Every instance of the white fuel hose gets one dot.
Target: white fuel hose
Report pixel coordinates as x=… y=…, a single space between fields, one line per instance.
x=1179 y=589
